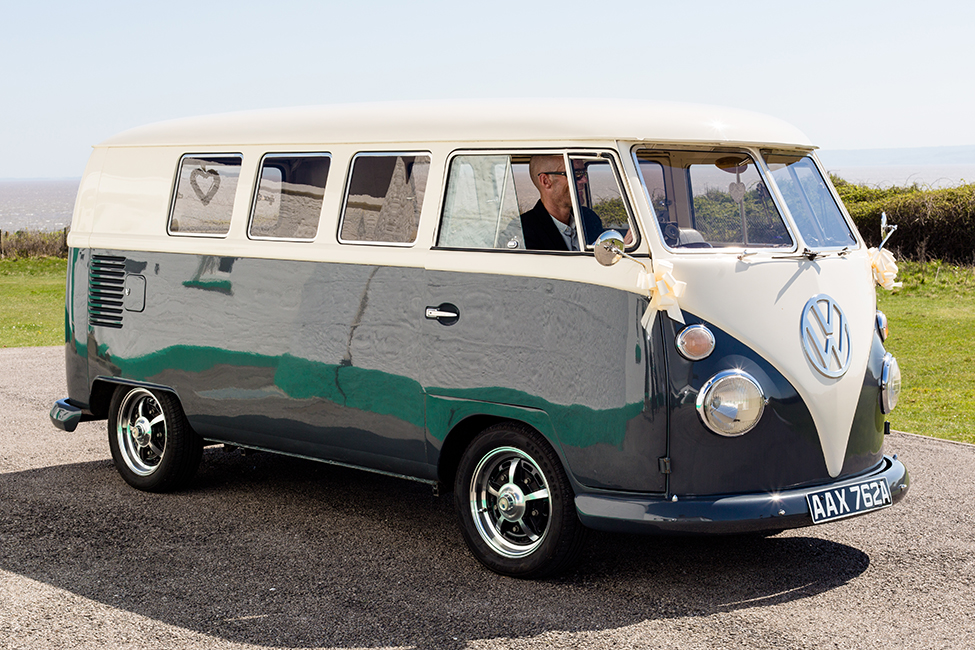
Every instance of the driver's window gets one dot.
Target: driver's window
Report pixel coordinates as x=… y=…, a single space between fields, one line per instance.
x=601 y=203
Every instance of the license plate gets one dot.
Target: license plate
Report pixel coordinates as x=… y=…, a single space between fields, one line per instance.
x=839 y=502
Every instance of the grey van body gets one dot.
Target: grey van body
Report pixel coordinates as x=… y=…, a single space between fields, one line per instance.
x=395 y=357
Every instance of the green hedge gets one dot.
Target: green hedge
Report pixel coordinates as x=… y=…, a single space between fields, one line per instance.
x=931 y=224
x=33 y=243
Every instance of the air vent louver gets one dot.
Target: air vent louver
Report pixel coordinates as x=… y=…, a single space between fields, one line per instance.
x=106 y=289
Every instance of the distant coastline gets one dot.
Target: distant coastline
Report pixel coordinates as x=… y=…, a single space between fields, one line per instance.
x=925 y=176
x=913 y=157
x=46 y=204
x=928 y=167
x=37 y=204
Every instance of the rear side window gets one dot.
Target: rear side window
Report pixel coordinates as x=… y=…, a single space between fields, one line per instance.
x=383 y=201
x=205 y=189
x=288 y=200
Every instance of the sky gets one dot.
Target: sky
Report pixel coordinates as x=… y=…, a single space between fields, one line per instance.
x=850 y=74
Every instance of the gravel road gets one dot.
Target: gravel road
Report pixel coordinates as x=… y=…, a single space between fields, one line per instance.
x=266 y=551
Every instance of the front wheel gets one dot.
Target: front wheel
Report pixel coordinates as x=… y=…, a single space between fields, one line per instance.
x=515 y=504
x=152 y=443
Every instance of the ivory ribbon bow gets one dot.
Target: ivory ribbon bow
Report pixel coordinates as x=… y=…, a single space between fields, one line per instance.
x=884 y=268
x=664 y=292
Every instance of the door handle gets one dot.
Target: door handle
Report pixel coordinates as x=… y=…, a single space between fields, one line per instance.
x=446 y=313
x=433 y=312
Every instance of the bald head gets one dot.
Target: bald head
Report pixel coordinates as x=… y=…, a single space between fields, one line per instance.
x=539 y=164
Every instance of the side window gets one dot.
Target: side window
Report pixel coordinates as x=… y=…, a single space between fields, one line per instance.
x=601 y=201
x=205 y=189
x=653 y=180
x=288 y=200
x=384 y=198
x=487 y=194
x=481 y=206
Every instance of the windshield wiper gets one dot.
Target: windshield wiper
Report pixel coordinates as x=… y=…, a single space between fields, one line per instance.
x=806 y=253
x=812 y=255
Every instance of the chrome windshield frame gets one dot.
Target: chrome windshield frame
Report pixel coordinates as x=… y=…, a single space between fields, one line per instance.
x=800 y=248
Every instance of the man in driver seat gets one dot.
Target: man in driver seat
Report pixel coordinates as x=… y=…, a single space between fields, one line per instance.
x=549 y=225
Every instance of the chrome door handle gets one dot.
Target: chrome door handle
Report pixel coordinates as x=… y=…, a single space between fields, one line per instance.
x=446 y=313
x=434 y=313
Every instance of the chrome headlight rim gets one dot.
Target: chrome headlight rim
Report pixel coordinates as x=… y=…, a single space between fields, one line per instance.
x=890 y=384
x=703 y=410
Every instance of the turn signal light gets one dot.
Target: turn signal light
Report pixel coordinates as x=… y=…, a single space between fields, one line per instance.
x=695 y=342
x=890 y=384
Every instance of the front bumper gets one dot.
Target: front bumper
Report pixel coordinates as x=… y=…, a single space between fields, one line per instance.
x=741 y=513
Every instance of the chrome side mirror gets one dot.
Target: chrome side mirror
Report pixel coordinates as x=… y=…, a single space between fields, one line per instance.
x=609 y=248
x=885 y=230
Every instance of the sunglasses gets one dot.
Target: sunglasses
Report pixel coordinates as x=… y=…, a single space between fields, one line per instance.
x=578 y=173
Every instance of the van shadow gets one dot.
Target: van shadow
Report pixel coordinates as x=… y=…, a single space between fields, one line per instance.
x=273 y=551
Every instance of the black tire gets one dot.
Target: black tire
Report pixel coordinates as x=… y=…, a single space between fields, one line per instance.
x=515 y=504
x=152 y=443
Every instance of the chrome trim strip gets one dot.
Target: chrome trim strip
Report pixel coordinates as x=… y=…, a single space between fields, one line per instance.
x=218 y=441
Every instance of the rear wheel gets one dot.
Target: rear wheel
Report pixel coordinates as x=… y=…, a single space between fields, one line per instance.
x=152 y=443
x=515 y=504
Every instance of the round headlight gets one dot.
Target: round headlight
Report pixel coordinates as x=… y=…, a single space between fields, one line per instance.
x=890 y=384
x=695 y=342
x=731 y=403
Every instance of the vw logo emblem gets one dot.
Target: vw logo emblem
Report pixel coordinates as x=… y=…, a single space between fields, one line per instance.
x=826 y=336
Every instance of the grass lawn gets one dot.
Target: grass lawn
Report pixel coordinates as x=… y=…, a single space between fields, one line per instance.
x=32 y=302
x=932 y=334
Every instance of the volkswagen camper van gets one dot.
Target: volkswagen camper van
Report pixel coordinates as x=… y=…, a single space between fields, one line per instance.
x=624 y=316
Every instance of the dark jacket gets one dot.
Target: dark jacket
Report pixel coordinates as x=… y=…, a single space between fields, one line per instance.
x=541 y=234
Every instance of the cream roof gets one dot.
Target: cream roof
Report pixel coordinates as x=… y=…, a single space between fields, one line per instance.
x=472 y=121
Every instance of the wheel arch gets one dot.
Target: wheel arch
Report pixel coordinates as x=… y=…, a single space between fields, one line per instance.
x=103 y=388
x=466 y=419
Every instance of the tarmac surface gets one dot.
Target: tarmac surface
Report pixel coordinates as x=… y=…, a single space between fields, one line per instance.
x=269 y=552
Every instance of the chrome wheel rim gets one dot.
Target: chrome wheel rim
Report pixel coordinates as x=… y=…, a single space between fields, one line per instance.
x=510 y=502
x=141 y=432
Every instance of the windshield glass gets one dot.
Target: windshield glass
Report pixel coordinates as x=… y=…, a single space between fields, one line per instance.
x=711 y=199
x=809 y=200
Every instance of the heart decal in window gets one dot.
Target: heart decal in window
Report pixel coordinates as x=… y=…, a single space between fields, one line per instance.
x=210 y=178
